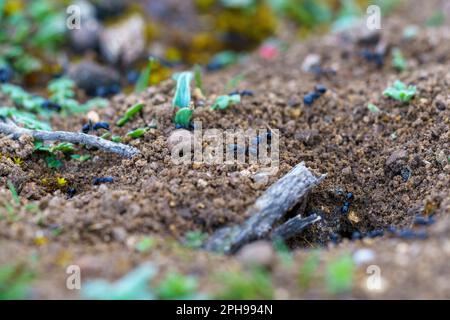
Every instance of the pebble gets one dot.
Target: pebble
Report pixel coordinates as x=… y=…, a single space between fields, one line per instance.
x=258 y=253
x=124 y=43
x=363 y=256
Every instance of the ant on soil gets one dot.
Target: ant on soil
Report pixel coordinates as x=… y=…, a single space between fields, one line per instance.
x=309 y=98
x=97 y=126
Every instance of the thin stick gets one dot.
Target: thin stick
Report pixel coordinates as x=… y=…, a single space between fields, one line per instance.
x=294 y=226
x=268 y=210
x=73 y=137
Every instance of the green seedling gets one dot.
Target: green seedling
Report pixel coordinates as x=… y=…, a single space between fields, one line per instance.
x=308 y=269
x=254 y=285
x=177 y=286
x=182 y=97
x=400 y=92
x=373 y=108
x=198 y=77
x=410 y=32
x=65 y=147
x=116 y=139
x=133 y=286
x=339 y=275
x=436 y=20
x=137 y=133
x=52 y=162
x=283 y=252
x=145 y=244
x=195 y=239
x=13 y=191
x=223 y=102
x=398 y=61
x=81 y=157
x=15 y=282
x=144 y=78
x=24 y=118
x=183 y=117
x=129 y=114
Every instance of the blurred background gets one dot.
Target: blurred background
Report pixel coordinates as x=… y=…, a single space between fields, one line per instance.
x=109 y=41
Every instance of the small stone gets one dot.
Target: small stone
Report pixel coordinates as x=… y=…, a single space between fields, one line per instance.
x=89 y=75
x=258 y=253
x=363 y=256
x=310 y=61
x=93 y=116
x=125 y=42
x=261 y=179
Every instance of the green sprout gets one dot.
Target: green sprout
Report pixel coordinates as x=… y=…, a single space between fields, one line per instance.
x=116 y=139
x=145 y=244
x=400 y=92
x=339 y=275
x=195 y=239
x=308 y=269
x=398 y=61
x=129 y=114
x=373 y=108
x=65 y=147
x=81 y=157
x=133 y=286
x=198 y=77
x=223 y=102
x=137 y=133
x=177 y=286
x=13 y=191
x=144 y=78
x=182 y=97
x=14 y=282
x=183 y=117
x=24 y=118
x=436 y=20
x=249 y=286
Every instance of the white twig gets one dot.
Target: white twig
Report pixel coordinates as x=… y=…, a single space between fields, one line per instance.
x=73 y=137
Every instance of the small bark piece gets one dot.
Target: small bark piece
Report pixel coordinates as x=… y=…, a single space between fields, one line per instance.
x=73 y=137
x=269 y=209
x=294 y=226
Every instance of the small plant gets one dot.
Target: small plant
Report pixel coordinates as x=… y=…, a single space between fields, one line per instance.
x=137 y=133
x=80 y=157
x=249 y=286
x=398 y=61
x=223 y=102
x=195 y=239
x=308 y=269
x=144 y=78
x=183 y=117
x=13 y=191
x=145 y=244
x=339 y=275
x=177 y=286
x=133 y=286
x=14 y=282
x=182 y=98
x=400 y=92
x=129 y=114
x=373 y=108
x=198 y=77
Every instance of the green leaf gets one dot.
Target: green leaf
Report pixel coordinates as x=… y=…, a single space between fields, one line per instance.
x=13 y=191
x=198 y=77
x=139 y=132
x=65 y=147
x=144 y=78
x=398 y=61
x=129 y=114
x=400 y=92
x=195 y=239
x=182 y=96
x=145 y=244
x=81 y=157
x=177 y=286
x=373 y=108
x=339 y=275
x=223 y=102
x=53 y=162
x=183 y=117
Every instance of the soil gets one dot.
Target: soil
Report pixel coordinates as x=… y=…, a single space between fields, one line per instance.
x=395 y=163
